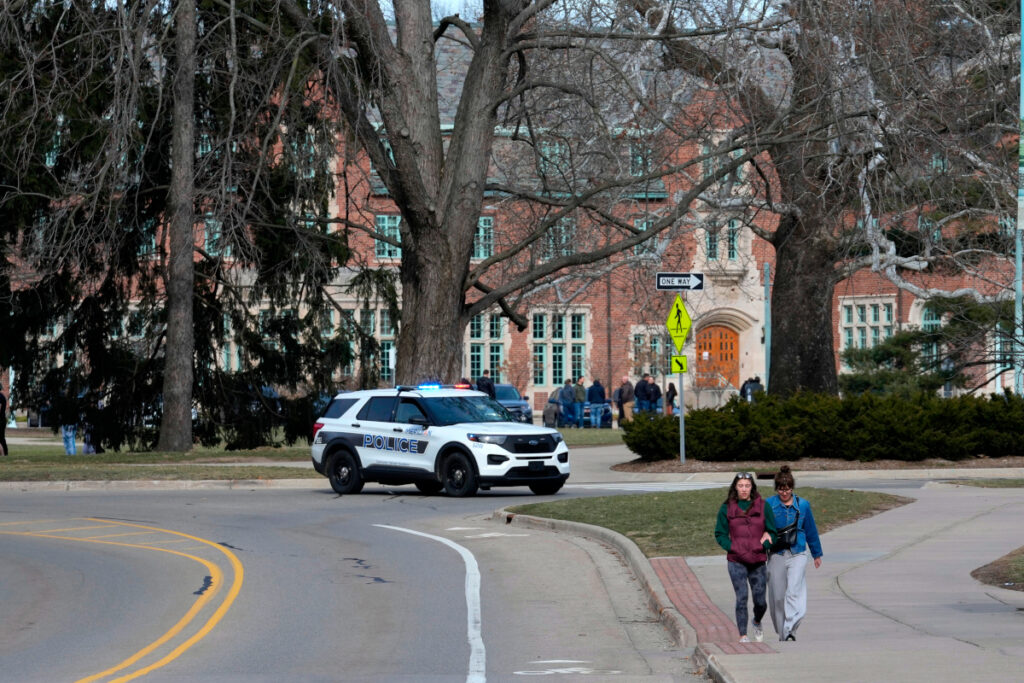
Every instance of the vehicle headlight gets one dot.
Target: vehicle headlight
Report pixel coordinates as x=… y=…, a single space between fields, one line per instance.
x=558 y=438
x=496 y=439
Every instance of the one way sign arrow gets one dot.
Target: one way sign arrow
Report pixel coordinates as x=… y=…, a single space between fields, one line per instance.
x=680 y=281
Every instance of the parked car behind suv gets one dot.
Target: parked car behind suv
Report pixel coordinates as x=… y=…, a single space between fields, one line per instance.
x=508 y=396
x=437 y=438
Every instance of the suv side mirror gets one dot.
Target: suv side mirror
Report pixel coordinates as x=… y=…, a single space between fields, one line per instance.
x=419 y=420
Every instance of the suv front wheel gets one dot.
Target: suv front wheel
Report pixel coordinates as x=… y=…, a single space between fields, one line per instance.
x=458 y=476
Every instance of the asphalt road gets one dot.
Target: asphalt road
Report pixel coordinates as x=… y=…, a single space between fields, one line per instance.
x=302 y=585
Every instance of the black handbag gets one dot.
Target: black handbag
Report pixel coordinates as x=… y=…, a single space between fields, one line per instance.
x=786 y=537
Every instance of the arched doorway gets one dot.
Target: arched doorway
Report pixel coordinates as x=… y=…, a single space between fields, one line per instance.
x=718 y=358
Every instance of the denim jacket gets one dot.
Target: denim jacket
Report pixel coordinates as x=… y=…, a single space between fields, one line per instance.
x=807 y=532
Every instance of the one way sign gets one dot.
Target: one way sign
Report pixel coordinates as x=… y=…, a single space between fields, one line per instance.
x=679 y=281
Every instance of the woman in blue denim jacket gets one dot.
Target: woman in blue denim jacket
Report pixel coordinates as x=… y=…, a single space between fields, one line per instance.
x=787 y=569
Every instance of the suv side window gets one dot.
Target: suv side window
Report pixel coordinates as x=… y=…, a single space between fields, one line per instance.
x=407 y=410
x=378 y=409
x=338 y=407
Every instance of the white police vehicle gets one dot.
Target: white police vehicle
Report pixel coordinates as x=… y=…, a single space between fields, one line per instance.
x=437 y=438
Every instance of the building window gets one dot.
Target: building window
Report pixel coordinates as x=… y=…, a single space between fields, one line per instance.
x=560 y=238
x=732 y=237
x=1004 y=348
x=930 y=322
x=496 y=361
x=386 y=371
x=539 y=364
x=387 y=226
x=579 y=357
x=539 y=325
x=638 y=353
x=483 y=240
x=558 y=363
x=577 y=324
x=476 y=327
x=557 y=327
x=639 y=159
x=387 y=326
x=655 y=356
x=859 y=321
x=648 y=247
x=495 y=326
x=476 y=360
x=712 y=245
x=366 y=321
x=214 y=242
x=553 y=157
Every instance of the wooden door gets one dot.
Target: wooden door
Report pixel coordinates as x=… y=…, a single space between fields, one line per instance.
x=718 y=358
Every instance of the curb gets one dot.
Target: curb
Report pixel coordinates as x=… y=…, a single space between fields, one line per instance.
x=713 y=668
x=159 y=484
x=657 y=598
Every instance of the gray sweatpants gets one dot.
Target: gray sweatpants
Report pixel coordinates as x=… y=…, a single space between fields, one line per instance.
x=787 y=591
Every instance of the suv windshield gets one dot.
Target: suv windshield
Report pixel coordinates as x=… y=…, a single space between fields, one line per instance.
x=449 y=410
x=506 y=392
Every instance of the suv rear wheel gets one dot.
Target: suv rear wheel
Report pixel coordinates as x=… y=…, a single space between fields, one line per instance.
x=458 y=475
x=343 y=473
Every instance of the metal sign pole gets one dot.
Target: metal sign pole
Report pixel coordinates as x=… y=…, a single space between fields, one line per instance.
x=682 y=420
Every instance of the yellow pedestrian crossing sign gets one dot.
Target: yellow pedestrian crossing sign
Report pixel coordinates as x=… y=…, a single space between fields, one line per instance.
x=678 y=365
x=678 y=323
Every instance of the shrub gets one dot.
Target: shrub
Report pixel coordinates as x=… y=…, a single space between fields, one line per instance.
x=864 y=427
x=652 y=436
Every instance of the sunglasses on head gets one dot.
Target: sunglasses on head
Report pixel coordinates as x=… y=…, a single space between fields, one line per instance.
x=744 y=475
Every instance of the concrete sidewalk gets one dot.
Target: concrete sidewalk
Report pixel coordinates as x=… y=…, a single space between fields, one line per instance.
x=893 y=599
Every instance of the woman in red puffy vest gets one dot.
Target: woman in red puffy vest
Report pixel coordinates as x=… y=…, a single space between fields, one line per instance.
x=746 y=529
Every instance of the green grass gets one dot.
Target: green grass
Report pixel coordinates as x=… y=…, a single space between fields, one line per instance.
x=47 y=462
x=990 y=483
x=575 y=438
x=683 y=523
x=1006 y=572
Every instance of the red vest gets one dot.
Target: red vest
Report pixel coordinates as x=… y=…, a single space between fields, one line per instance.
x=745 y=531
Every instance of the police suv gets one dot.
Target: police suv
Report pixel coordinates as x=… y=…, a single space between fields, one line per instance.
x=437 y=438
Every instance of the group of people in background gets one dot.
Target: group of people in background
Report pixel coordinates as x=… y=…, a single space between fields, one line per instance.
x=645 y=396
x=753 y=533
x=573 y=398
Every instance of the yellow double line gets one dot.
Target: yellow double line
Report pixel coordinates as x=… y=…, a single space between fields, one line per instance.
x=216 y=583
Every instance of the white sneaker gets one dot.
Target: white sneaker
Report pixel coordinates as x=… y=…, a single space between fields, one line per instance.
x=758 y=633
x=744 y=639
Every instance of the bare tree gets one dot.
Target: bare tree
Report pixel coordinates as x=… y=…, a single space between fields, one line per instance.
x=851 y=102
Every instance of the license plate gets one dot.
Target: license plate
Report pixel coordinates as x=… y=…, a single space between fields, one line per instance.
x=536 y=465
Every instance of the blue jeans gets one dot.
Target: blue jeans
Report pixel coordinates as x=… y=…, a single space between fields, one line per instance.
x=757 y=576
x=567 y=414
x=643 y=406
x=596 y=412
x=68 y=434
x=579 y=414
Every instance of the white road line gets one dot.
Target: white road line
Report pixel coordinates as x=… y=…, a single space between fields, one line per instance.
x=474 y=623
x=650 y=486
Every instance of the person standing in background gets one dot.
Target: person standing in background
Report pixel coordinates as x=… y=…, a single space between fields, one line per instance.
x=670 y=399
x=626 y=396
x=596 y=397
x=485 y=384
x=579 y=398
x=3 y=420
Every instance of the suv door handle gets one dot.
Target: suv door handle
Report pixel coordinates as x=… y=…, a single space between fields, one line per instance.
x=397 y=429
x=356 y=425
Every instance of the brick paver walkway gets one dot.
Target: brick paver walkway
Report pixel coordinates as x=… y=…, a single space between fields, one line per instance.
x=715 y=630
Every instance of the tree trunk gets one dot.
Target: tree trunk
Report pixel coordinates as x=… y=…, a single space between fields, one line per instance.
x=176 y=423
x=801 y=355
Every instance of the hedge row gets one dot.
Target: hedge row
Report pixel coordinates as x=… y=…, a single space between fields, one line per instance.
x=864 y=427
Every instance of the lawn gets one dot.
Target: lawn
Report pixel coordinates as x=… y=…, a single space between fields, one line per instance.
x=682 y=523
